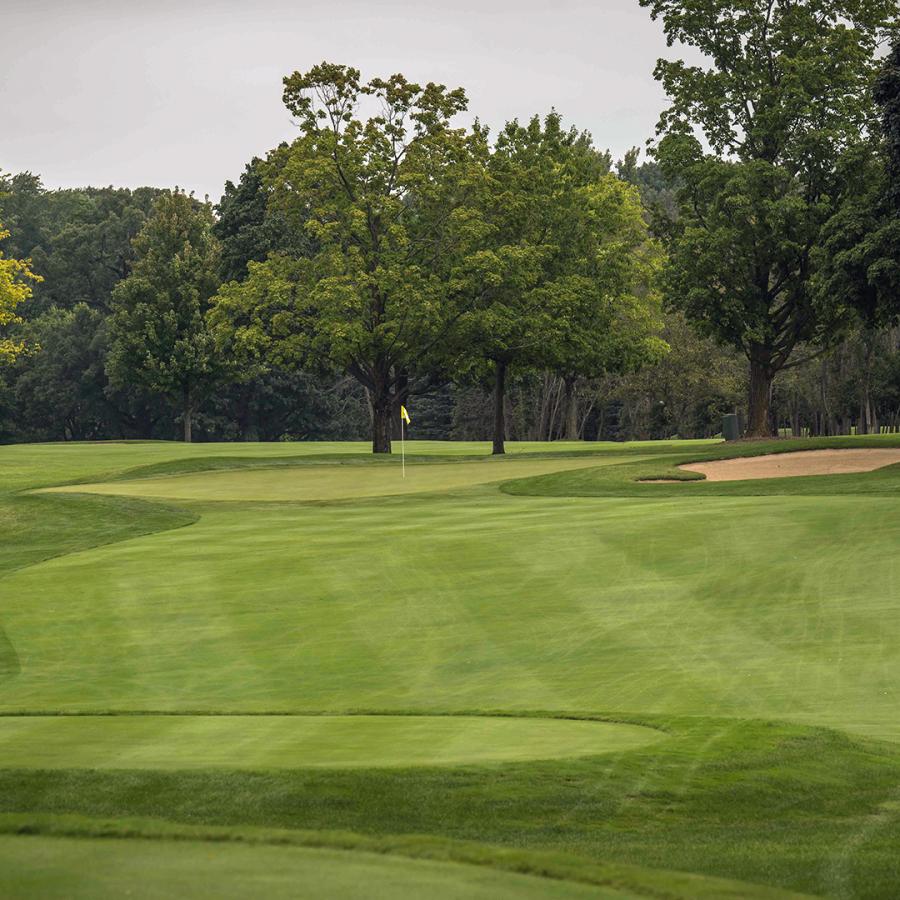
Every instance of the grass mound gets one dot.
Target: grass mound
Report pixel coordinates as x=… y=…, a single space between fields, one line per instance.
x=71 y=868
x=651 y=478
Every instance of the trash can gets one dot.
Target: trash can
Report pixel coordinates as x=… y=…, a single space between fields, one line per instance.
x=731 y=427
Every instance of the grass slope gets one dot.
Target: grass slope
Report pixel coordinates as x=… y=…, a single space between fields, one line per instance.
x=72 y=868
x=739 y=621
x=721 y=606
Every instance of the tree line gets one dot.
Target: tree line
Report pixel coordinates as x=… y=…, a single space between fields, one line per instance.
x=510 y=285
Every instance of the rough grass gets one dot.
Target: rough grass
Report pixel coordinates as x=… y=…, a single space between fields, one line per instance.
x=793 y=806
x=559 y=874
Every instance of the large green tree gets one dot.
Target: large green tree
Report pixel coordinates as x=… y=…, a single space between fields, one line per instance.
x=887 y=96
x=159 y=335
x=576 y=288
x=385 y=206
x=783 y=96
x=606 y=315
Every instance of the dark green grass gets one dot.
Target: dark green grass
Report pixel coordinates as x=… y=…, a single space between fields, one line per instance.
x=267 y=852
x=39 y=527
x=229 y=463
x=803 y=808
x=627 y=480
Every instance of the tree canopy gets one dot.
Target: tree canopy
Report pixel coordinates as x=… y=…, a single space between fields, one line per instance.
x=159 y=335
x=16 y=279
x=576 y=292
x=387 y=203
x=860 y=258
x=388 y=255
x=785 y=98
x=79 y=241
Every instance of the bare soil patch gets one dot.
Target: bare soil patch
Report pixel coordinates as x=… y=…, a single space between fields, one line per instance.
x=789 y=465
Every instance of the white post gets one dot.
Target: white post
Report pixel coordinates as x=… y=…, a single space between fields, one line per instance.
x=403 y=445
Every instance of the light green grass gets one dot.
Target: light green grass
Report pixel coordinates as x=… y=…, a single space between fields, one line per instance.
x=72 y=868
x=265 y=742
x=324 y=482
x=722 y=606
x=35 y=465
x=738 y=618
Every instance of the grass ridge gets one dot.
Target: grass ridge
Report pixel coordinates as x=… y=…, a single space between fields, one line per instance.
x=651 y=883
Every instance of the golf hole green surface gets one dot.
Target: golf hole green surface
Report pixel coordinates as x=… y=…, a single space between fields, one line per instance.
x=76 y=868
x=259 y=742
x=323 y=482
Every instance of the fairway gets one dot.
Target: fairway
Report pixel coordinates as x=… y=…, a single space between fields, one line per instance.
x=263 y=742
x=496 y=602
x=31 y=867
x=539 y=654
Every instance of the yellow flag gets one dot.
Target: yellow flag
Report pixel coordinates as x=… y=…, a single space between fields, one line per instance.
x=404 y=415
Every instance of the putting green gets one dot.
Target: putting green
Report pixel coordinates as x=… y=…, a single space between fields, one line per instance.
x=324 y=482
x=73 y=868
x=734 y=616
x=262 y=742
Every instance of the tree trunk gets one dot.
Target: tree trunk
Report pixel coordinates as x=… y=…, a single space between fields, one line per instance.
x=571 y=429
x=382 y=423
x=145 y=424
x=401 y=398
x=249 y=423
x=543 y=422
x=499 y=417
x=758 y=425
x=553 y=432
x=188 y=416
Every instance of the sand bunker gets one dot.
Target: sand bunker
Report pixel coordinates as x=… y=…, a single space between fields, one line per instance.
x=787 y=465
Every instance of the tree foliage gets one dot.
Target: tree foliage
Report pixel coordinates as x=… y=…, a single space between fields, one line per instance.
x=248 y=227
x=159 y=335
x=79 y=241
x=61 y=390
x=785 y=98
x=16 y=279
x=387 y=253
x=577 y=262
x=385 y=202
x=859 y=265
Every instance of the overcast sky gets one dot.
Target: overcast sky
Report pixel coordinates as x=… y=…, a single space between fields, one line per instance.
x=163 y=92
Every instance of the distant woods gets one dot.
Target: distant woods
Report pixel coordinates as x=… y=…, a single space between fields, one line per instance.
x=509 y=286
